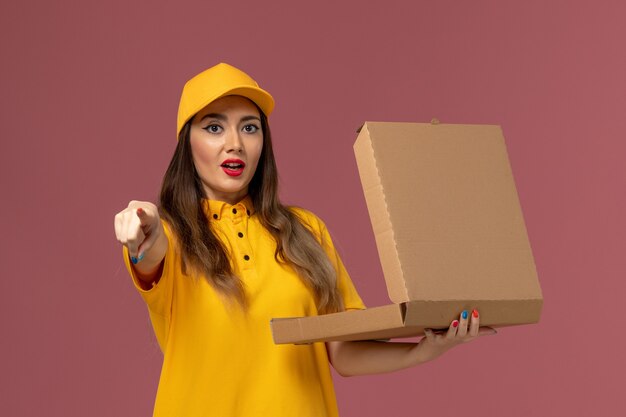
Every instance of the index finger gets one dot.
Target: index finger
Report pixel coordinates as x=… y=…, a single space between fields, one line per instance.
x=141 y=213
x=474 y=323
x=144 y=217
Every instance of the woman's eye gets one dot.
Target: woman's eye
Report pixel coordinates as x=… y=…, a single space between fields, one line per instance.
x=250 y=128
x=213 y=128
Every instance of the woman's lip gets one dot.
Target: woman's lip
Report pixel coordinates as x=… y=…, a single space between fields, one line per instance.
x=234 y=161
x=233 y=172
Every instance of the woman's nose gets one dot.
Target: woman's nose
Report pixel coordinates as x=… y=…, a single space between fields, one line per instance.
x=234 y=142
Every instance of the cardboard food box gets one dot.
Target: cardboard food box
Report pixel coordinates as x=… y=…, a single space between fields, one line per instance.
x=449 y=231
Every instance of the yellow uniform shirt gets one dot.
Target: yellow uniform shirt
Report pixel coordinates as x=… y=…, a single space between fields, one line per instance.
x=221 y=361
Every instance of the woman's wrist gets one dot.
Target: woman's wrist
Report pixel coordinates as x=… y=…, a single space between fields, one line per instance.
x=425 y=351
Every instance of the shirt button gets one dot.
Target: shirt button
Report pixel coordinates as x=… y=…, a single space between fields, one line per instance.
x=246 y=257
x=215 y=216
x=240 y=234
x=234 y=211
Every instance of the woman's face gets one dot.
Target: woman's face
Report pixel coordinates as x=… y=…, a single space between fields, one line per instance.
x=226 y=142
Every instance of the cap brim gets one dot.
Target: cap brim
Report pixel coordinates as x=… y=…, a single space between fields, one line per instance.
x=257 y=95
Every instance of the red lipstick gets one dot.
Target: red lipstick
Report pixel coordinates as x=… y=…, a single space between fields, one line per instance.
x=233 y=167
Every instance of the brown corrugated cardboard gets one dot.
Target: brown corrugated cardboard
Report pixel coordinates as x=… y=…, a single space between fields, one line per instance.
x=449 y=231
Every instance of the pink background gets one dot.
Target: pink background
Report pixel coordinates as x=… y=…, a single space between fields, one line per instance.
x=89 y=92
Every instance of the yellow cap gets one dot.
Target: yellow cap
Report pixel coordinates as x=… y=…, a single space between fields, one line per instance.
x=219 y=81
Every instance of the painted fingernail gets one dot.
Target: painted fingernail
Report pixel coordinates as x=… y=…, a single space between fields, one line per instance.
x=133 y=260
x=475 y=313
x=464 y=314
x=140 y=257
x=455 y=323
x=139 y=211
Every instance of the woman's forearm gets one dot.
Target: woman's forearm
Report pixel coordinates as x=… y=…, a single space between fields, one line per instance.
x=370 y=357
x=148 y=269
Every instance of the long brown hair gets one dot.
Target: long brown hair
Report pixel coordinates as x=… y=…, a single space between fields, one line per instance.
x=204 y=255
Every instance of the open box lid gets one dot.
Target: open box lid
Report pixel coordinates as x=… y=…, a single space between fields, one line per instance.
x=449 y=231
x=445 y=212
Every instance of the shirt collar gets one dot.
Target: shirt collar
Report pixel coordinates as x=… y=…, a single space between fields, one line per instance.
x=215 y=210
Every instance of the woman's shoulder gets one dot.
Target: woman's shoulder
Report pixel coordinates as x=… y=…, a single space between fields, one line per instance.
x=309 y=219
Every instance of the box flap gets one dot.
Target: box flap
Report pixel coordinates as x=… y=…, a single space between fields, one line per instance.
x=368 y=324
x=401 y=320
x=445 y=212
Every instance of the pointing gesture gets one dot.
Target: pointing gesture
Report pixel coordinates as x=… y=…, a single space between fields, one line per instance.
x=139 y=228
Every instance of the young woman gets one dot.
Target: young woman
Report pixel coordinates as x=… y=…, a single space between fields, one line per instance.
x=220 y=256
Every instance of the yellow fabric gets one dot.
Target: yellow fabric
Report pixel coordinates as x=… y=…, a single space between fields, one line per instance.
x=219 y=81
x=220 y=361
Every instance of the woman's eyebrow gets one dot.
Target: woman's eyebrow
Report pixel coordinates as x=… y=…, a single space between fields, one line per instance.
x=218 y=116
x=246 y=118
x=222 y=117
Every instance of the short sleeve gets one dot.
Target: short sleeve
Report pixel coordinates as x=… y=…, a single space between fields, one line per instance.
x=351 y=298
x=159 y=298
